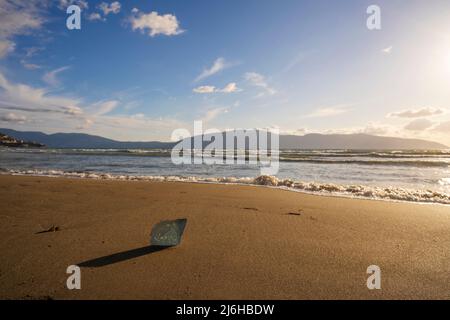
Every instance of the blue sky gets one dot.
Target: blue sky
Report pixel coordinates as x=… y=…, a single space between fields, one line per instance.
x=137 y=70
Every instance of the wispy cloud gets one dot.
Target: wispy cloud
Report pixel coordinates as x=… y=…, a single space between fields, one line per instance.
x=258 y=80
x=105 y=10
x=416 y=113
x=12 y=117
x=86 y=124
x=32 y=51
x=443 y=127
x=64 y=4
x=108 y=8
x=154 y=24
x=104 y=107
x=214 y=113
x=419 y=125
x=295 y=61
x=68 y=110
x=29 y=66
x=21 y=97
x=18 y=18
x=387 y=50
x=328 y=111
x=6 y=47
x=218 y=65
x=51 y=76
x=229 y=88
x=204 y=89
x=56 y=113
x=95 y=16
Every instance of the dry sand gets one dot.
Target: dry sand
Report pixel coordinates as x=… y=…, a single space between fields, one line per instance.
x=240 y=242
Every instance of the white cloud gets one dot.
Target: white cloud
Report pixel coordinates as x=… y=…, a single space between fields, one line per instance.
x=213 y=114
x=296 y=132
x=32 y=51
x=23 y=98
x=51 y=76
x=218 y=65
x=64 y=4
x=416 y=113
x=377 y=129
x=328 y=112
x=420 y=130
x=105 y=107
x=154 y=24
x=106 y=9
x=12 y=117
x=6 y=46
x=137 y=128
x=443 y=127
x=135 y=10
x=113 y=7
x=95 y=16
x=387 y=50
x=18 y=17
x=55 y=113
x=258 y=80
x=371 y=128
x=301 y=131
x=204 y=89
x=29 y=66
x=419 y=125
x=229 y=88
x=86 y=124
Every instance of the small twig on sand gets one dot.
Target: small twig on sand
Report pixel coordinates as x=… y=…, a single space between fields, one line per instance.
x=254 y=209
x=53 y=228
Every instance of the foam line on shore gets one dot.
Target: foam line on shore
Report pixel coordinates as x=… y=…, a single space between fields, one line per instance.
x=351 y=191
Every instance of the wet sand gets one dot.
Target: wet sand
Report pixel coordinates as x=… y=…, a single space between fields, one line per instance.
x=240 y=242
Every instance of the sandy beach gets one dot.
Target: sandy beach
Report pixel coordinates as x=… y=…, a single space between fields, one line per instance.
x=240 y=242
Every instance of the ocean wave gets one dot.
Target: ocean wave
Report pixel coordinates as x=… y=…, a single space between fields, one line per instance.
x=96 y=152
x=408 y=163
x=357 y=157
x=388 y=155
x=353 y=191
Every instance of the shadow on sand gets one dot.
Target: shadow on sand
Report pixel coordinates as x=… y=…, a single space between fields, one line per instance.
x=121 y=256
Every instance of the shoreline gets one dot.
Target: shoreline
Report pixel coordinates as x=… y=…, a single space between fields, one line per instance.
x=240 y=242
x=248 y=182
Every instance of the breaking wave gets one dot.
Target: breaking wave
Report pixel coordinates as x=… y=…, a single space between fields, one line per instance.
x=354 y=191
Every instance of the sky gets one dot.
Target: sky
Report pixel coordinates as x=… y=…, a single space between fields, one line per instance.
x=138 y=70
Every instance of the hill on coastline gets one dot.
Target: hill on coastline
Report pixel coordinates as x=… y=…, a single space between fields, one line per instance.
x=309 y=141
x=8 y=141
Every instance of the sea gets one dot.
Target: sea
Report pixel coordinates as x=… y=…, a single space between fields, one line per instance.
x=403 y=175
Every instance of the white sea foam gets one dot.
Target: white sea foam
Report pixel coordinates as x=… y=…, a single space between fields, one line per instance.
x=358 y=191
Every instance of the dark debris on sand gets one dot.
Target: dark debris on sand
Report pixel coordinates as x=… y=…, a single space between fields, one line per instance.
x=53 y=228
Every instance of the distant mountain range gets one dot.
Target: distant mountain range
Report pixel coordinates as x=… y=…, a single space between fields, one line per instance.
x=356 y=141
x=82 y=141
x=309 y=141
